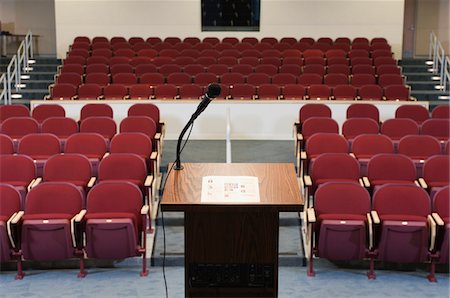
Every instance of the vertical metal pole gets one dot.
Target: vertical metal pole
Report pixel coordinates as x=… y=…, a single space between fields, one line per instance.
x=228 y=137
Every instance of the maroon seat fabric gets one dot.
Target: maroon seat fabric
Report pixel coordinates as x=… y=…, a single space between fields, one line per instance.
x=403 y=211
x=9 y=206
x=6 y=145
x=353 y=127
x=391 y=168
x=46 y=231
x=419 y=148
x=436 y=127
x=15 y=110
x=96 y=109
x=40 y=147
x=340 y=230
x=441 y=205
x=42 y=112
x=90 y=144
x=436 y=172
x=414 y=112
x=363 y=110
x=441 y=111
x=105 y=126
x=367 y=145
x=18 y=171
x=115 y=228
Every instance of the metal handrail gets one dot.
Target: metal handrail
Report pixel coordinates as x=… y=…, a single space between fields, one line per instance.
x=19 y=63
x=441 y=62
x=4 y=90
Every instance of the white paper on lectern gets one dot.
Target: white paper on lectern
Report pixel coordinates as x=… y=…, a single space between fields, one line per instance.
x=230 y=189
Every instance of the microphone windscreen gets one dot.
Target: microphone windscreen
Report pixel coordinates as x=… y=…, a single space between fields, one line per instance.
x=213 y=90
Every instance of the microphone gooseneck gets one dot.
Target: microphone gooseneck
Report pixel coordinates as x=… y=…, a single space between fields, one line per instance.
x=212 y=92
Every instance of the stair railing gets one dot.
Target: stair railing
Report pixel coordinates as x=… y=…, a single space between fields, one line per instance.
x=436 y=53
x=19 y=63
x=3 y=90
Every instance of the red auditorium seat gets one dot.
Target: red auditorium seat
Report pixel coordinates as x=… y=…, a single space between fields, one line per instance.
x=71 y=168
x=397 y=128
x=441 y=111
x=293 y=91
x=147 y=110
x=69 y=78
x=152 y=79
x=115 y=91
x=103 y=52
x=190 y=91
x=308 y=79
x=363 y=110
x=140 y=91
x=435 y=173
x=390 y=168
x=97 y=68
x=96 y=60
x=414 y=112
x=419 y=148
x=218 y=69
x=205 y=78
x=244 y=69
x=42 y=112
x=337 y=61
x=165 y=91
x=333 y=79
x=183 y=60
x=397 y=92
x=145 y=125
x=15 y=110
x=282 y=79
x=46 y=226
x=75 y=60
x=363 y=69
x=267 y=69
x=20 y=172
x=227 y=60
x=441 y=215
x=359 y=80
x=121 y=68
x=314 y=125
x=62 y=127
x=101 y=79
x=129 y=53
x=370 y=92
x=365 y=146
x=353 y=127
x=388 y=69
x=153 y=40
x=18 y=127
x=294 y=69
x=179 y=78
x=137 y=47
x=89 y=91
x=72 y=68
x=232 y=78
x=258 y=79
x=385 y=80
x=6 y=145
x=345 y=92
x=318 y=144
x=91 y=145
x=314 y=69
x=268 y=91
x=105 y=126
x=401 y=212
x=39 y=146
x=9 y=207
x=339 y=223
x=251 y=40
x=319 y=92
x=252 y=60
x=330 y=167
x=242 y=91
x=436 y=127
x=115 y=223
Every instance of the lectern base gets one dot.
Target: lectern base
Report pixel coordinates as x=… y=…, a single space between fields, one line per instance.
x=231 y=251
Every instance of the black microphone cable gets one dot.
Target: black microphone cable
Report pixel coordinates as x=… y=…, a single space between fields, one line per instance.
x=162 y=215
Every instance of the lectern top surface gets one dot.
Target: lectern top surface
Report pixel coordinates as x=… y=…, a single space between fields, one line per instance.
x=278 y=186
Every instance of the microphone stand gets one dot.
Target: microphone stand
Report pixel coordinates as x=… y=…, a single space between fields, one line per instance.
x=201 y=107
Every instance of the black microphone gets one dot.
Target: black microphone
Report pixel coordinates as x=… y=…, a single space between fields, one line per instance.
x=212 y=92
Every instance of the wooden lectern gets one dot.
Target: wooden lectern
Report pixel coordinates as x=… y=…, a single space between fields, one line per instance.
x=231 y=250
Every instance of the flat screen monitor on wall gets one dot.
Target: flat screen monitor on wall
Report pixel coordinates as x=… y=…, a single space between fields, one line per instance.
x=230 y=15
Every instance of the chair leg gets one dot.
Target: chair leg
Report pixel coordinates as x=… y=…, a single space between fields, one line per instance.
x=310 y=271
x=371 y=274
x=432 y=276
x=82 y=272
x=20 y=273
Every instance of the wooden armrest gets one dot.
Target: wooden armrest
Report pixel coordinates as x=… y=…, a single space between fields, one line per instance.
x=311 y=215
x=18 y=217
x=352 y=154
x=79 y=217
x=9 y=230
x=157 y=136
x=370 y=227
x=148 y=181
x=375 y=217
x=91 y=182
x=299 y=137
x=437 y=218
x=307 y=180
x=422 y=183
x=154 y=155
x=105 y=155
x=280 y=97
x=144 y=209
x=432 y=226
x=36 y=182
x=30 y=186
x=366 y=182
x=72 y=226
x=303 y=155
x=75 y=97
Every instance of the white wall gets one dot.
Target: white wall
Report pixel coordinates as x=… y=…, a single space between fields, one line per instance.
x=20 y=16
x=298 y=18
